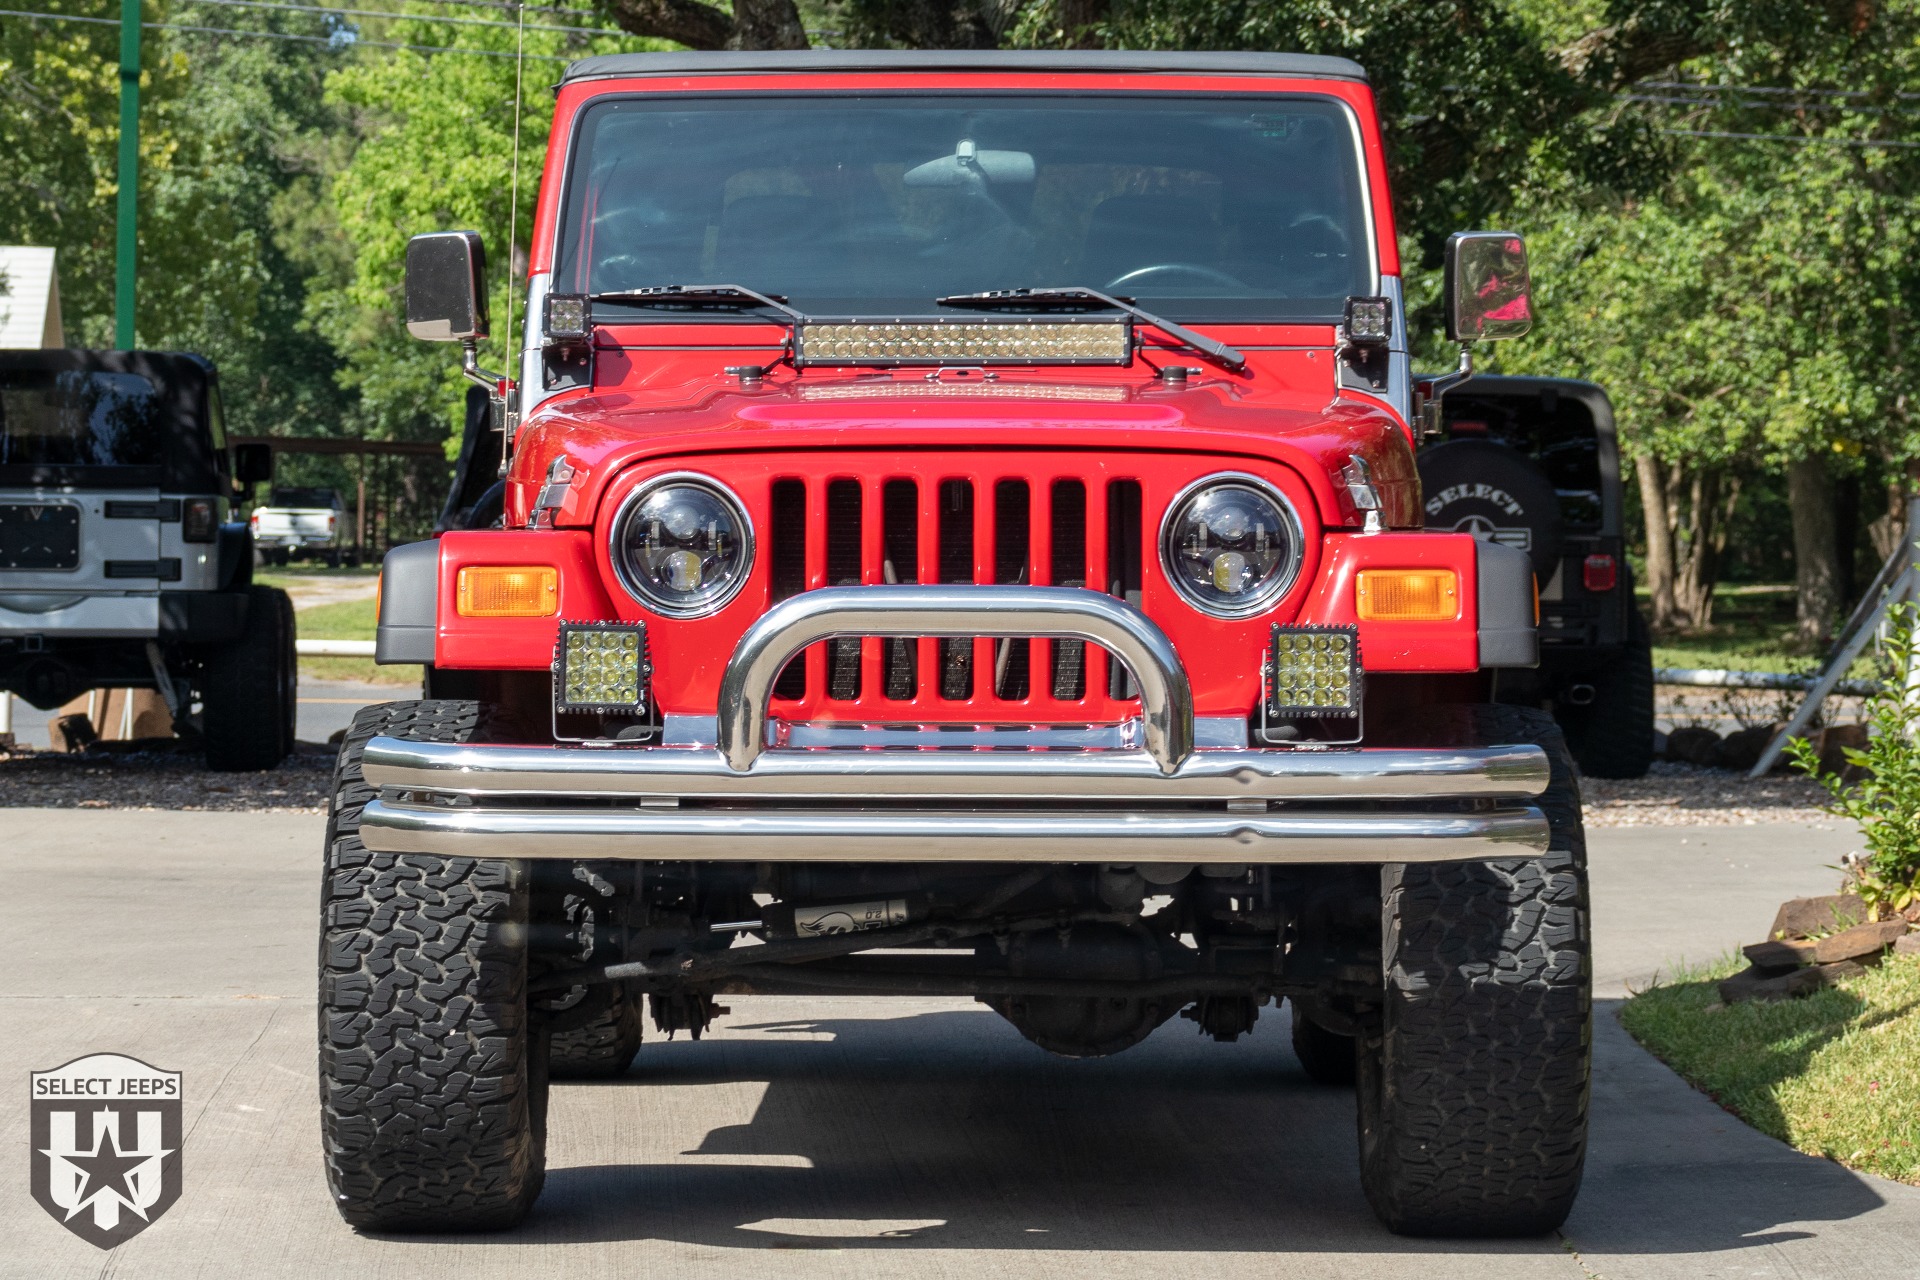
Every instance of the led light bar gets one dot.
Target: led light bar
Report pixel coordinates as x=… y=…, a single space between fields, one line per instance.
x=601 y=667
x=1025 y=342
x=1314 y=671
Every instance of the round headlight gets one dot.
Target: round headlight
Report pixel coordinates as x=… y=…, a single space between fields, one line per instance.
x=682 y=544
x=1231 y=545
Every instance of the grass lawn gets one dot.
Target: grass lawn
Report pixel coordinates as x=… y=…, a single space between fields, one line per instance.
x=1836 y=1074
x=349 y=620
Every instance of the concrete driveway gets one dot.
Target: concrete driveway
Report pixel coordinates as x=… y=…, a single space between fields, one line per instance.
x=817 y=1137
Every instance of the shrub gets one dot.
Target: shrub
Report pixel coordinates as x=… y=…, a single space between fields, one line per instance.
x=1884 y=799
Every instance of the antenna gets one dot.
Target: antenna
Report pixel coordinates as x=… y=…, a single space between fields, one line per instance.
x=512 y=416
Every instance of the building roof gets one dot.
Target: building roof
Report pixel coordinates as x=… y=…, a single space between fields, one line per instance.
x=29 y=298
x=1093 y=61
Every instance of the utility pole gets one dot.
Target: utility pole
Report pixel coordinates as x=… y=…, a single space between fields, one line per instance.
x=123 y=258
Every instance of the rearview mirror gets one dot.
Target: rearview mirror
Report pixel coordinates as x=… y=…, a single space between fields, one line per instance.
x=447 y=287
x=969 y=165
x=1487 y=290
x=252 y=464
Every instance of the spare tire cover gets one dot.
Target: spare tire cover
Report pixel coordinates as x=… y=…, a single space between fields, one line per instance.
x=1494 y=493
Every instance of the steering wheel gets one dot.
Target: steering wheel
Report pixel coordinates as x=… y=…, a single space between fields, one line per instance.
x=1195 y=270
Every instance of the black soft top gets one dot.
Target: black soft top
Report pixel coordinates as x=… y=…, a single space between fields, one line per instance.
x=789 y=61
x=192 y=461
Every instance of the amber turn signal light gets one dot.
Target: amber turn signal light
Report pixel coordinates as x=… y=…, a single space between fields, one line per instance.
x=1407 y=595
x=508 y=591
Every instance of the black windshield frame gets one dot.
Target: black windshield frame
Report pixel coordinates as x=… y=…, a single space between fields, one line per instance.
x=1360 y=260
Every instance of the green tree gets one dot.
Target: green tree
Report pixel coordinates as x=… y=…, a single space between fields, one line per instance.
x=434 y=150
x=226 y=122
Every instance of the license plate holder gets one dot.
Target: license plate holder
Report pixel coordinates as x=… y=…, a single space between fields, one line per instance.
x=39 y=535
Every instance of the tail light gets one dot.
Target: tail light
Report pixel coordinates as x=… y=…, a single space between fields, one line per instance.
x=253 y=521
x=197 y=520
x=1600 y=573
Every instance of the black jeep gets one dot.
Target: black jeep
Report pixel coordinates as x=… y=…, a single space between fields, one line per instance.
x=1535 y=463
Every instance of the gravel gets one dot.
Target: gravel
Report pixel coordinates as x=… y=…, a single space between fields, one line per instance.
x=1689 y=795
x=160 y=775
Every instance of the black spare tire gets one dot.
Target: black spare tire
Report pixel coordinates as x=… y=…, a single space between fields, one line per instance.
x=1492 y=492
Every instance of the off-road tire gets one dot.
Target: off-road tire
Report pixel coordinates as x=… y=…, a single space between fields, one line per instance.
x=1473 y=1093
x=1327 y=1057
x=604 y=1046
x=248 y=689
x=433 y=1088
x=1612 y=737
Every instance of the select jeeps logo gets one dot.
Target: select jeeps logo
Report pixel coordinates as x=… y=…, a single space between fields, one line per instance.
x=1481 y=526
x=106 y=1145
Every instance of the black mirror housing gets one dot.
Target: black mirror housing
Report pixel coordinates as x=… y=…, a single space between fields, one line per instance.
x=252 y=464
x=1488 y=292
x=447 y=287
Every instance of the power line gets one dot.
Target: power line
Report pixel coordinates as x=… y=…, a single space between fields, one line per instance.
x=330 y=41
x=512 y=7
x=1788 y=137
x=1760 y=104
x=1764 y=89
x=409 y=17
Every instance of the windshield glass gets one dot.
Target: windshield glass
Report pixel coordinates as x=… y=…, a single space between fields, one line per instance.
x=1213 y=208
x=78 y=418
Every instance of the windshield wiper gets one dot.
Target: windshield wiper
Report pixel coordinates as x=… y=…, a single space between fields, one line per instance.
x=1075 y=297
x=699 y=295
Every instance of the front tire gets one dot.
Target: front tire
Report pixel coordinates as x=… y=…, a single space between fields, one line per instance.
x=248 y=693
x=1473 y=1092
x=432 y=1088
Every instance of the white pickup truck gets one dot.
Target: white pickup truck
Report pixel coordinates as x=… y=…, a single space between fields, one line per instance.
x=295 y=520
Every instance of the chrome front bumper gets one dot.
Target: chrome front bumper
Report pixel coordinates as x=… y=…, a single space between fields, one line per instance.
x=1169 y=801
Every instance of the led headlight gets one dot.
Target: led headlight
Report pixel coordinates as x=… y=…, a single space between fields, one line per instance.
x=1231 y=545
x=682 y=545
x=1314 y=671
x=601 y=666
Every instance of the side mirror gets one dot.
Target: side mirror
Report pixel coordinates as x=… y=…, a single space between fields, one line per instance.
x=252 y=464
x=447 y=287
x=1487 y=290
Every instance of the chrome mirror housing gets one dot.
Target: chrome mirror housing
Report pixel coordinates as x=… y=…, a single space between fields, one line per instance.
x=1488 y=293
x=447 y=287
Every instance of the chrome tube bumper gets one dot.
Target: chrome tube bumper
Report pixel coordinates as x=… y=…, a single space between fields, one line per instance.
x=741 y=801
x=923 y=835
x=1071 y=613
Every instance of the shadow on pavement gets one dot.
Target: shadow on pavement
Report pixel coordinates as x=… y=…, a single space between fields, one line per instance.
x=945 y=1129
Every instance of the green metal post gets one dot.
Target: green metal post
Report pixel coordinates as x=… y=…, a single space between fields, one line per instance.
x=123 y=258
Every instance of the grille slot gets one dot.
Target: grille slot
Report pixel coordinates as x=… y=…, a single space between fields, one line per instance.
x=843 y=570
x=942 y=528
x=787 y=558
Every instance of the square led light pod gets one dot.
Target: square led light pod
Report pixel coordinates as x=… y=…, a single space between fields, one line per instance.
x=601 y=667
x=1314 y=671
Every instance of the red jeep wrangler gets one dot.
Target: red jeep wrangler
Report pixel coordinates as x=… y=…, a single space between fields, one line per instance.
x=961 y=537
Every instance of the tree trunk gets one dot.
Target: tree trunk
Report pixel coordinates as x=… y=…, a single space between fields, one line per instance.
x=1887 y=529
x=1816 y=548
x=1659 y=524
x=767 y=24
x=1700 y=540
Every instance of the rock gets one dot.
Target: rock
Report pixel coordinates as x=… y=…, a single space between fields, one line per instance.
x=1777 y=957
x=1908 y=945
x=1832 y=973
x=1740 y=750
x=72 y=733
x=1802 y=917
x=1863 y=941
x=1693 y=745
x=1833 y=743
x=1751 y=984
